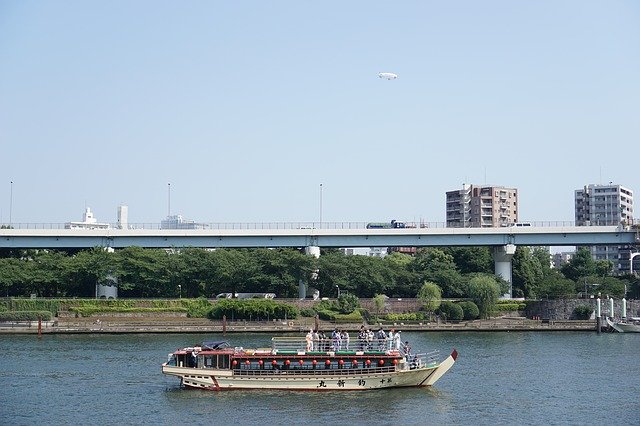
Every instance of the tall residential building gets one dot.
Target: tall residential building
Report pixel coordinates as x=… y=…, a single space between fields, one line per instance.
x=482 y=206
x=605 y=205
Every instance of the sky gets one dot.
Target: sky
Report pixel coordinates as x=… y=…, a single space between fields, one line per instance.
x=253 y=111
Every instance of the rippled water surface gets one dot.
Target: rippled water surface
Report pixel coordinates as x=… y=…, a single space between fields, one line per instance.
x=500 y=378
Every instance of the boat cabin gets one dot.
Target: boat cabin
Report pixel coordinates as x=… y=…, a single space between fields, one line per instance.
x=289 y=354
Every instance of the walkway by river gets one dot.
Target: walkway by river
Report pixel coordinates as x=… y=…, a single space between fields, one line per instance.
x=201 y=325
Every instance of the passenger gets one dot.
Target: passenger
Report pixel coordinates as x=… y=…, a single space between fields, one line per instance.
x=316 y=340
x=370 y=337
x=362 y=338
x=309 y=340
x=390 y=338
x=345 y=340
x=382 y=339
x=335 y=340
x=323 y=341
x=397 y=341
x=407 y=350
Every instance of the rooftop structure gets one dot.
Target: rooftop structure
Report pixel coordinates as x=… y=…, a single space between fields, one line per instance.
x=178 y=222
x=88 y=222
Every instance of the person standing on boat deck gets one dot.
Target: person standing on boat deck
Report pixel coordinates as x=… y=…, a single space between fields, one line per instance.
x=391 y=337
x=397 y=340
x=334 y=339
x=316 y=340
x=382 y=339
x=345 y=340
x=309 y=340
x=370 y=337
x=323 y=341
x=362 y=338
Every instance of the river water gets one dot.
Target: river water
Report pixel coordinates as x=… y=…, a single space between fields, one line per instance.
x=500 y=378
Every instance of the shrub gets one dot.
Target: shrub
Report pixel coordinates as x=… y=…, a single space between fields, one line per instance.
x=87 y=311
x=510 y=307
x=25 y=315
x=583 y=312
x=308 y=312
x=450 y=311
x=34 y=305
x=470 y=310
x=327 y=315
x=413 y=316
x=252 y=309
x=197 y=308
x=347 y=303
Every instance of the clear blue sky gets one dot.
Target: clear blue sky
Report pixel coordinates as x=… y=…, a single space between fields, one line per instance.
x=247 y=107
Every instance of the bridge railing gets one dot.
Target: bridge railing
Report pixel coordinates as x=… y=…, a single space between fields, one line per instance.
x=284 y=225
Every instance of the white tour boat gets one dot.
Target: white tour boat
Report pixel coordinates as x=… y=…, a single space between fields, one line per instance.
x=293 y=364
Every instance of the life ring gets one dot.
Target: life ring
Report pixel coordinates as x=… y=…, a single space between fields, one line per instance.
x=290 y=323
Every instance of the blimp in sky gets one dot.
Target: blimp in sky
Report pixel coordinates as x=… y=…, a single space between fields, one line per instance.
x=388 y=75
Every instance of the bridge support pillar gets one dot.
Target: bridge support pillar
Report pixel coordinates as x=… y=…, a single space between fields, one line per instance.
x=502 y=256
x=302 y=285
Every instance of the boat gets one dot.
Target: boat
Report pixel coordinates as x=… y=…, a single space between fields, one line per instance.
x=631 y=325
x=292 y=363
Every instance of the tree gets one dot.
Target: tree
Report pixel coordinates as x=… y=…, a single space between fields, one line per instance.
x=556 y=287
x=379 y=301
x=430 y=295
x=144 y=273
x=347 y=303
x=437 y=266
x=451 y=311
x=469 y=309
x=471 y=259
x=606 y=286
x=527 y=272
x=88 y=268
x=484 y=291
x=581 y=265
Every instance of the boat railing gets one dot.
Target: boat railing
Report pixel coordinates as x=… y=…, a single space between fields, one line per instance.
x=300 y=344
x=309 y=371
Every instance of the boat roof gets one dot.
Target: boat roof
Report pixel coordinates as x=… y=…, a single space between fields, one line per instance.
x=213 y=345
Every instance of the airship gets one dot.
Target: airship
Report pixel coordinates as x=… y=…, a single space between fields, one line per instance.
x=388 y=75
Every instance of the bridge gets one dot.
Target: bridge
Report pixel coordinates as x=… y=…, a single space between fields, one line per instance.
x=333 y=235
x=503 y=240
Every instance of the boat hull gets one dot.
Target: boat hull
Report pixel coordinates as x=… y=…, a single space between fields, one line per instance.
x=354 y=380
x=624 y=327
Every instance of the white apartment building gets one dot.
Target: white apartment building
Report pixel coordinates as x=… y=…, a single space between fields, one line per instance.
x=605 y=205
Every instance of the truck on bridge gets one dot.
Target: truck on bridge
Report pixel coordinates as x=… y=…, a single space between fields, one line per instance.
x=386 y=225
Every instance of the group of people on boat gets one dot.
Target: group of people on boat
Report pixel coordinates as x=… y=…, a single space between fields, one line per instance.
x=368 y=340
x=319 y=341
x=379 y=340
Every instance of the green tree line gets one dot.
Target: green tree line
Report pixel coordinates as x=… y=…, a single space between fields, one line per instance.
x=157 y=273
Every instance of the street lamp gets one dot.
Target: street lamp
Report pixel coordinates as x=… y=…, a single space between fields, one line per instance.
x=321 y=207
x=631 y=256
x=10 y=204
x=338 y=291
x=180 y=290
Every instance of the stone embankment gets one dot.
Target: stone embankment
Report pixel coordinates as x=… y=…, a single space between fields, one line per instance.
x=181 y=324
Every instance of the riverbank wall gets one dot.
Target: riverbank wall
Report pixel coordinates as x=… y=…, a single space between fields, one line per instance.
x=543 y=315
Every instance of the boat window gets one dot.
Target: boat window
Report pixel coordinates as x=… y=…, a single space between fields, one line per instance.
x=210 y=361
x=223 y=361
x=172 y=360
